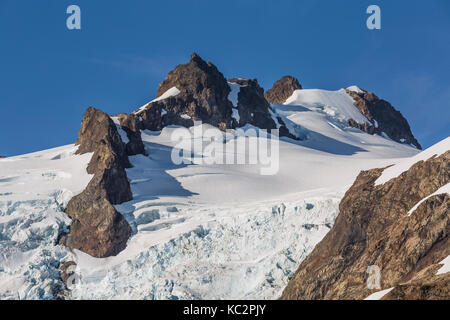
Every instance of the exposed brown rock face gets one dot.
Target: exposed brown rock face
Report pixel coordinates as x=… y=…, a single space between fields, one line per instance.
x=203 y=96
x=97 y=228
x=99 y=134
x=373 y=228
x=131 y=124
x=426 y=285
x=2 y=157
x=383 y=118
x=282 y=89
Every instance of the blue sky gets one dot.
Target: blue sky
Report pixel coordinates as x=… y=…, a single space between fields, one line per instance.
x=49 y=75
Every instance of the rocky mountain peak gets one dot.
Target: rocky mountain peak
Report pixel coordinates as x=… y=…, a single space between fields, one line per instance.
x=282 y=89
x=195 y=56
x=199 y=62
x=203 y=94
x=383 y=117
x=194 y=77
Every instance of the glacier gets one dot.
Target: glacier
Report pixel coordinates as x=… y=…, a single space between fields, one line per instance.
x=199 y=231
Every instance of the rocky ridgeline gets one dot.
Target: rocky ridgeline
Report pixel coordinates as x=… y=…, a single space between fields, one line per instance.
x=383 y=118
x=253 y=108
x=97 y=227
x=203 y=97
x=373 y=228
x=202 y=93
x=282 y=89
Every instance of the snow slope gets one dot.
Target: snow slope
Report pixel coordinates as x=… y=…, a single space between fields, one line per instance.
x=172 y=92
x=335 y=103
x=404 y=165
x=442 y=190
x=379 y=294
x=200 y=231
x=34 y=189
x=446 y=266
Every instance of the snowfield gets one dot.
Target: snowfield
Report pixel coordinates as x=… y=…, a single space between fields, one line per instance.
x=336 y=103
x=172 y=92
x=199 y=231
x=34 y=190
x=379 y=294
x=396 y=170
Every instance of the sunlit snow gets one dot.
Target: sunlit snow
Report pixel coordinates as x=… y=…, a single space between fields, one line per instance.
x=199 y=231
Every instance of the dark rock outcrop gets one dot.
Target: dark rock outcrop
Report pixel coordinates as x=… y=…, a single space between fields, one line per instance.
x=203 y=96
x=282 y=89
x=252 y=106
x=99 y=134
x=97 y=228
x=373 y=228
x=254 y=109
x=2 y=157
x=132 y=126
x=383 y=118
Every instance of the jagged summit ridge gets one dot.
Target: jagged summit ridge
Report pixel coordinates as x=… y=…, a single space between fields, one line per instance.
x=198 y=91
x=203 y=95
